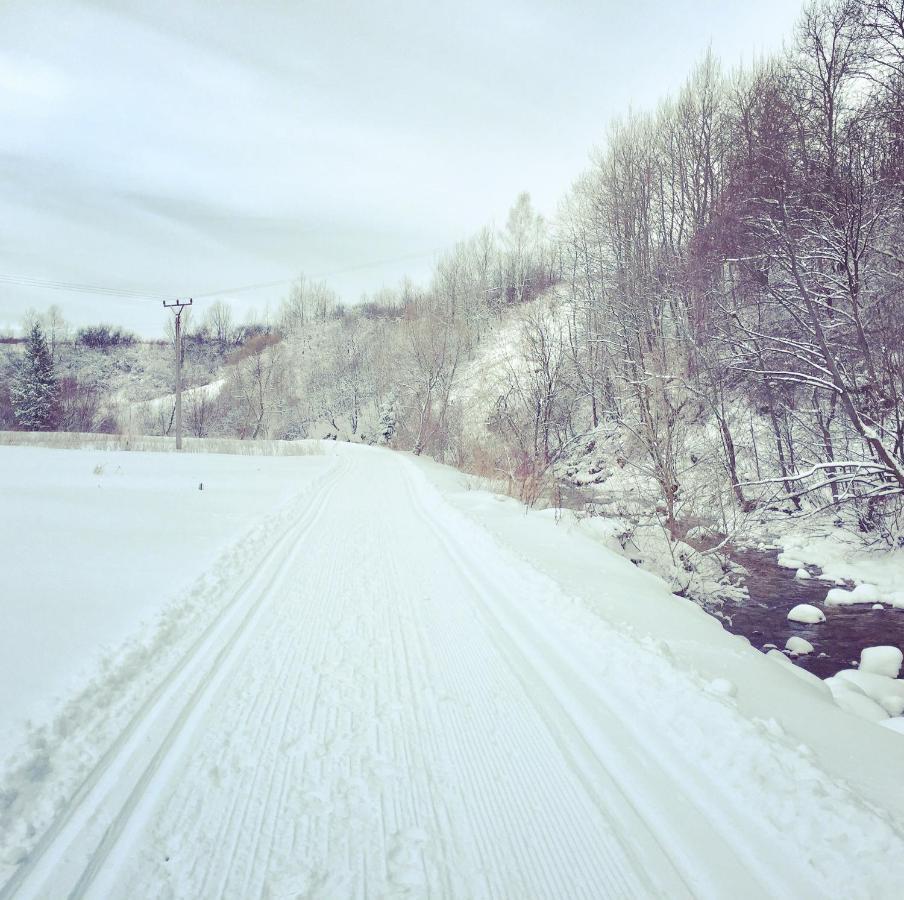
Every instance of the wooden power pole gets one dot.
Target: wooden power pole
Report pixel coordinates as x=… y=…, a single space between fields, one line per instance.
x=177 y=306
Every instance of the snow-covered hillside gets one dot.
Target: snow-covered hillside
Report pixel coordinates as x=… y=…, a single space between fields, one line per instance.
x=607 y=473
x=364 y=676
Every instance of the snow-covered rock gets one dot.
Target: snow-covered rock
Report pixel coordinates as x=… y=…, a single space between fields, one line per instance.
x=851 y=699
x=798 y=646
x=789 y=562
x=887 y=692
x=863 y=593
x=806 y=614
x=881 y=661
x=802 y=574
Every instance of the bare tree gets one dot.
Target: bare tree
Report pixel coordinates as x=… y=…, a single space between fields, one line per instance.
x=219 y=320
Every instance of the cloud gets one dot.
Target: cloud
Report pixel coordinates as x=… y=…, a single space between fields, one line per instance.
x=205 y=144
x=29 y=81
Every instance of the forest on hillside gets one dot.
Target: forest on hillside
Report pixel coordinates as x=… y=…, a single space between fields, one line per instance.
x=717 y=311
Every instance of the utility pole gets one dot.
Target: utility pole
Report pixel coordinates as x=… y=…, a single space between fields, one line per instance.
x=177 y=306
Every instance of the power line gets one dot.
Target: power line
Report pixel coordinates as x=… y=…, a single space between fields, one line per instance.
x=78 y=288
x=145 y=296
x=356 y=268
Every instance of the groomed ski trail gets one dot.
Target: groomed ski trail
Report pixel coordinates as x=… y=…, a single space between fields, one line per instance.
x=389 y=706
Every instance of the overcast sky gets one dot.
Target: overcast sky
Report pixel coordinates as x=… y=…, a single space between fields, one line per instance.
x=187 y=147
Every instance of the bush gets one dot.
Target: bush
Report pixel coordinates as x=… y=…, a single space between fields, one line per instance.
x=253 y=345
x=104 y=337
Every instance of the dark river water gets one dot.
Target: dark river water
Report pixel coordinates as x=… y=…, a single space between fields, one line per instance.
x=837 y=642
x=773 y=590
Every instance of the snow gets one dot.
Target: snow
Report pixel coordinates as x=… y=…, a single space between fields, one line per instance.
x=896 y=725
x=873 y=691
x=851 y=699
x=209 y=391
x=862 y=593
x=392 y=684
x=802 y=574
x=843 y=559
x=97 y=543
x=887 y=693
x=881 y=661
x=723 y=687
x=798 y=646
x=806 y=614
x=816 y=684
x=790 y=562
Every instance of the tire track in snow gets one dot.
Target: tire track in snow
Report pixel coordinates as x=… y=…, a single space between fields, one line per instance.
x=271 y=814
x=264 y=705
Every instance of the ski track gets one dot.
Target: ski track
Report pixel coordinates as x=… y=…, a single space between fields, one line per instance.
x=375 y=714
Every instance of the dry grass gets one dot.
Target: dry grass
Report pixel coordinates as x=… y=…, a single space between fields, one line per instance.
x=529 y=481
x=149 y=443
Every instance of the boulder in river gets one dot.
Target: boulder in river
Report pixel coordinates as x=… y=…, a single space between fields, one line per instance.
x=798 y=646
x=806 y=614
x=881 y=661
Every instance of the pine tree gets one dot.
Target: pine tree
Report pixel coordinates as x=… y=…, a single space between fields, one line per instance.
x=34 y=391
x=388 y=421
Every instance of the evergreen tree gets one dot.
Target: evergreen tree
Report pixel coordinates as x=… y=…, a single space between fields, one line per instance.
x=34 y=392
x=388 y=420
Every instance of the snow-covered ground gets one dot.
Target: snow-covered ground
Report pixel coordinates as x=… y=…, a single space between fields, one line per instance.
x=95 y=545
x=395 y=685
x=209 y=391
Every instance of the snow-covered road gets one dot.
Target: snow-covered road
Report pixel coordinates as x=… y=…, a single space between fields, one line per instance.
x=388 y=703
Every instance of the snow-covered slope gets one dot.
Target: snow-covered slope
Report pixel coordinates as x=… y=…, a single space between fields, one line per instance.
x=209 y=391
x=408 y=688
x=498 y=362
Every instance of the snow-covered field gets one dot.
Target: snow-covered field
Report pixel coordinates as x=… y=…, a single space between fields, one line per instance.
x=349 y=674
x=95 y=545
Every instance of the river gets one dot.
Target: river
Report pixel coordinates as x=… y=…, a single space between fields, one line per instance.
x=837 y=642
